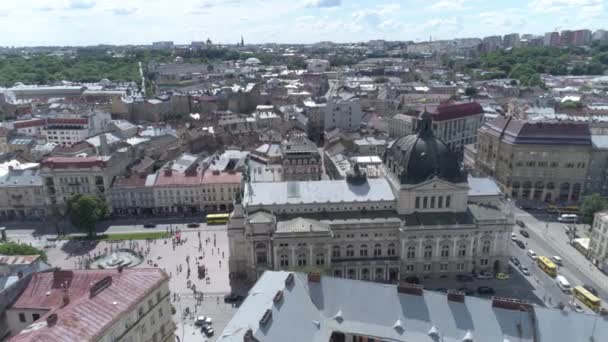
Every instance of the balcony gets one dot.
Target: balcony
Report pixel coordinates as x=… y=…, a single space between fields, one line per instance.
x=368 y=258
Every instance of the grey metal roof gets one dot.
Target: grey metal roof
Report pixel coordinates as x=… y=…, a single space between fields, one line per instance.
x=16 y=178
x=301 y=225
x=310 y=312
x=483 y=187
x=324 y=191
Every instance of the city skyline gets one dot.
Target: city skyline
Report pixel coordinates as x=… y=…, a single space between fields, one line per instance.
x=91 y=22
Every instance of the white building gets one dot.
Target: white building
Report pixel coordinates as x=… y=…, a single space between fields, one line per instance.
x=317 y=65
x=457 y=124
x=421 y=219
x=343 y=111
x=598 y=243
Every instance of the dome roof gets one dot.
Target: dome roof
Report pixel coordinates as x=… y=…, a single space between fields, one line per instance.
x=252 y=61
x=418 y=157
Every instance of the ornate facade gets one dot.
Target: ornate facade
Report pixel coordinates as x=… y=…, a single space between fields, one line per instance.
x=423 y=219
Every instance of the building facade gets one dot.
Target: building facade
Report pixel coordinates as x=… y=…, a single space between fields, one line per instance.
x=22 y=194
x=544 y=161
x=457 y=124
x=343 y=111
x=416 y=221
x=598 y=242
x=301 y=159
x=133 y=195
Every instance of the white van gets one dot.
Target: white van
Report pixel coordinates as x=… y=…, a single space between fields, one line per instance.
x=563 y=283
x=568 y=218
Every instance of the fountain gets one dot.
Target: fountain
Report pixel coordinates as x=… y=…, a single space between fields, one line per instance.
x=118 y=258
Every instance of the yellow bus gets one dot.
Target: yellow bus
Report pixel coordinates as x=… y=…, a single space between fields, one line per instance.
x=217 y=218
x=570 y=209
x=587 y=298
x=547 y=265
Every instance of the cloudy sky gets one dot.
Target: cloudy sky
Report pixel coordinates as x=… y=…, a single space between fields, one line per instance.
x=88 y=22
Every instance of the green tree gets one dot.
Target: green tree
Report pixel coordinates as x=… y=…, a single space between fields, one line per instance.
x=14 y=248
x=85 y=211
x=470 y=91
x=592 y=204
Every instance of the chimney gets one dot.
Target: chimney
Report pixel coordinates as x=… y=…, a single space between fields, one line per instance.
x=248 y=337
x=289 y=280
x=411 y=289
x=168 y=172
x=265 y=320
x=511 y=304
x=456 y=296
x=278 y=297
x=51 y=320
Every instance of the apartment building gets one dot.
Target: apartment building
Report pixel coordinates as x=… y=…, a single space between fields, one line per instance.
x=598 y=242
x=178 y=191
x=22 y=194
x=93 y=305
x=457 y=124
x=400 y=125
x=301 y=159
x=343 y=111
x=220 y=189
x=133 y=195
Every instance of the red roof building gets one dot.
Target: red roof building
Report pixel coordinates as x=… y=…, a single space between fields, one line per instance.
x=88 y=305
x=74 y=162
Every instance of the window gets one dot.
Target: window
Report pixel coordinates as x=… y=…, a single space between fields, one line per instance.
x=462 y=250
x=350 y=251
x=417 y=202
x=301 y=260
x=391 y=249
x=424 y=202
x=460 y=266
x=432 y=202
x=484 y=262
x=320 y=259
x=21 y=317
x=443 y=267
x=261 y=254
x=448 y=199
x=284 y=260
x=445 y=251
x=411 y=252
x=377 y=250
x=428 y=252
x=485 y=249
x=440 y=202
x=409 y=268
x=335 y=251
x=363 y=250
x=426 y=267
x=160 y=312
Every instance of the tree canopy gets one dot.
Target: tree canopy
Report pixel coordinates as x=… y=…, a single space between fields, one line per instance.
x=592 y=204
x=85 y=211
x=14 y=248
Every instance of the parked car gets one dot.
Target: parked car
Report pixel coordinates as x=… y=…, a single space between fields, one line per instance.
x=520 y=244
x=464 y=278
x=590 y=289
x=513 y=237
x=149 y=225
x=515 y=261
x=524 y=270
x=502 y=276
x=485 y=275
x=193 y=225
x=485 y=290
x=232 y=298
x=203 y=321
x=576 y=307
x=520 y=223
x=557 y=260
x=524 y=233
x=467 y=291
x=208 y=331
x=412 y=280
x=532 y=255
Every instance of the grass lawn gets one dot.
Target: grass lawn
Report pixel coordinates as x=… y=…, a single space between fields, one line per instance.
x=119 y=236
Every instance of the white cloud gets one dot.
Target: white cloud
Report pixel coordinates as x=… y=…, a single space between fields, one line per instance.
x=322 y=3
x=449 y=5
x=124 y=11
x=553 y=6
x=80 y=4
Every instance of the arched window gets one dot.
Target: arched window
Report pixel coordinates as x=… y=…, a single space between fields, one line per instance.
x=428 y=251
x=302 y=260
x=515 y=185
x=363 y=250
x=445 y=251
x=411 y=252
x=320 y=260
x=377 y=250
x=335 y=252
x=391 y=249
x=550 y=186
x=284 y=260
x=485 y=249
x=462 y=250
x=350 y=251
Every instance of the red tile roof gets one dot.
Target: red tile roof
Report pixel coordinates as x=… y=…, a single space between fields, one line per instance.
x=222 y=178
x=84 y=318
x=73 y=162
x=67 y=121
x=454 y=111
x=28 y=123
x=18 y=259
x=175 y=178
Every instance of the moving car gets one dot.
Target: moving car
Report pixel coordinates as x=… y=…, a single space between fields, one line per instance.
x=232 y=298
x=563 y=284
x=149 y=225
x=557 y=260
x=203 y=321
x=464 y=277
x=515 y=261
x=576 y=307
x=520 y=244
x=520 y=223
x=485 y=290
x=502 y=276
x=524 y=233
x=208 y=331
x=192 y=225
x=485 y=275
x=524 y=270
x=532 y=255
x=467 y=291
x=513 y=237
